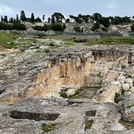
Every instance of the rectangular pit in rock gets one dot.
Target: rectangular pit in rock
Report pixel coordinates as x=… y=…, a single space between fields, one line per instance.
x=89 y=119
x=2 y=91
x=33 y=116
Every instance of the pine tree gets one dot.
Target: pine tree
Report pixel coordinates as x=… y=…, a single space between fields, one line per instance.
x=5 y=19
x=2 y=18
x=49 y=20
x=11 y=20
x=22 y=16
x=52 y=20
x=32 y=17
x=17 y=18
x=43 y=17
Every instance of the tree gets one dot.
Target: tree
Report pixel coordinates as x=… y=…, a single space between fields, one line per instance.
x=67 y=20
x=52 y=20
x=5 y=19
x=22 y=16
x=49 y=19
x=64 y=26
x=95 y=26
x=84 y=18
x=126 y=19
x=58 y=17
x=96 y=17
x=43 y=17
x=37 y=19
x=19 y=26
x=2 y=18
x=17 y=18
x=11 y=20
x=132 y=28
x=105 y=21
x=32 y=17
x=117 y=20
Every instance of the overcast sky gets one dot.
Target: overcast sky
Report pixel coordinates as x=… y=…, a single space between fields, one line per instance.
x=67 y=7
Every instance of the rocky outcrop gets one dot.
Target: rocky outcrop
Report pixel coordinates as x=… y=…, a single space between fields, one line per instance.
x=30 y=92
x=71 y=69
x=74 y=70
x=31 y=114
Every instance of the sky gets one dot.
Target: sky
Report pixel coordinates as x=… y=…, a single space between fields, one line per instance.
x=67 y=7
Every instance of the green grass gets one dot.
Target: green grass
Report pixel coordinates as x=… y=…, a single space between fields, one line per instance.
x=129 y=106
x=6 y=40
x=88 y=125
x=112 y=40
x=68 y=42
x=48 y=127
x=29 y=40
x=78 y=94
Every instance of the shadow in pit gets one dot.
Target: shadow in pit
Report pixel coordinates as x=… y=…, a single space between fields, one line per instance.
x=33 y=116
x=2 y=91
x=89 y=119
x=126 y=124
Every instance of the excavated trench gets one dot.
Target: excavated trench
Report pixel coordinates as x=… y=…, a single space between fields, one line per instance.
x=2 y=91
x=89 y=119
x=65 y=74
x=126 y=124
x=70 y=71
x=33 y=116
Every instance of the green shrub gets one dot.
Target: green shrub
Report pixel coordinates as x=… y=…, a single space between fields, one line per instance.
x=129 y=106
x=48 y=127
x=117 y=94
x=38 y=28
x=132 y=28
x=104 y=29
x=39 y=34
x=16 y=26
x=80 y=40
x=95 y=26
x=23 y=48
x=77 y=29
x=56 y=27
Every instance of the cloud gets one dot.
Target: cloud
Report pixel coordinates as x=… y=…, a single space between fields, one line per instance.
x=4 y=10
x=67 y=7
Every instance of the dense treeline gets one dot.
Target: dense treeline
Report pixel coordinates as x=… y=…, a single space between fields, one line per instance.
x=54 y=27
x=15 y=26
x=57 y=19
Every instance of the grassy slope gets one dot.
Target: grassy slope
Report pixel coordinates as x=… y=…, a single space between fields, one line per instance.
x=112 y=40
x=6 y=40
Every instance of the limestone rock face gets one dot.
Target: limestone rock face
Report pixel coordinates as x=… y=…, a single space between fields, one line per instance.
x=30 y=91
x=130 y=82
x=70 y=92
x=74 y=67
x=127 y=106
x=121 y=79
x=67 y=116
x=107 y=94
x=125 y=86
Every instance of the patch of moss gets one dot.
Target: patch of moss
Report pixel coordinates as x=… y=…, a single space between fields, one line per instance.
x=123 y=93
x=128 y=76
x=129 y=106
x=63 y=93
x=78 y=94
x=117 y=94
x=123 y=67
x=88 y=125
x=48 y=127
